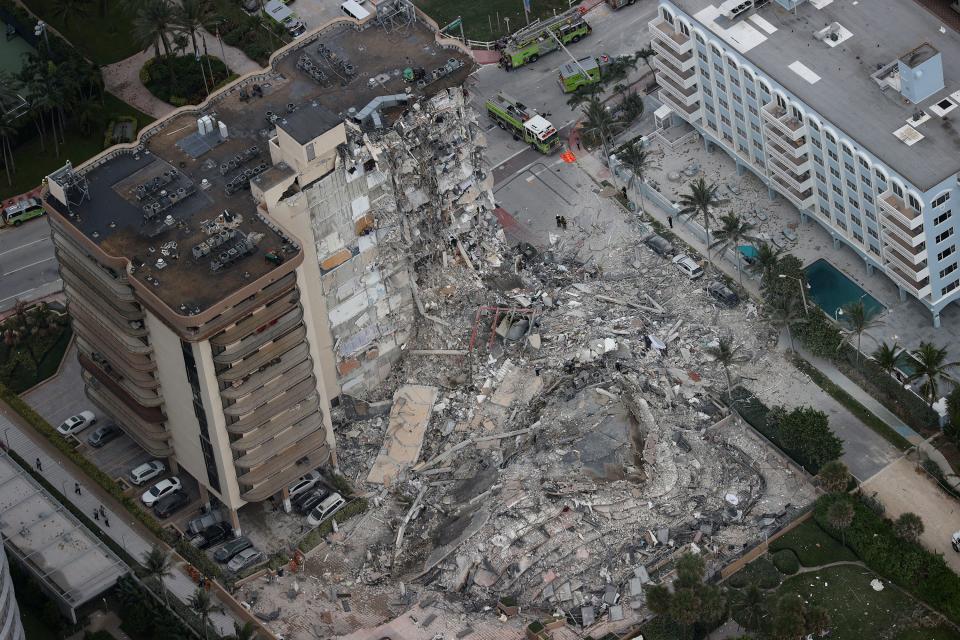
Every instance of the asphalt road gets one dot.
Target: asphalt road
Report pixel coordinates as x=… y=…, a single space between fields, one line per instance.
x=28 y=268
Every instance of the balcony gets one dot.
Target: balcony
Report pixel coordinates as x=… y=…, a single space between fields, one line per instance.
x=87 y=269
x=120 y=384
x=259 y=484
x=916 y=271
x=784 y=123
x=301 y=394
x=682 y=61
x=290 y=368
x=264 y=357
x=277 y=425
x=685 y=79
x=144 y=379
x=799 y=181
x=263 y=297
x=688 y=96
x=894 y=224
x=905 y=278
x=122 y=335
x=268 y=392
x=302 y=430
x=915 y=254
x=794 y=157
x=253 y=342
x=894 y=204
x=802 y=199
x=664 y=32
x=255 y=321
x=689 y=113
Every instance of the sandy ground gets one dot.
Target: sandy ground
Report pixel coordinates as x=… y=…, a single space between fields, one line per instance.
x=901 y=488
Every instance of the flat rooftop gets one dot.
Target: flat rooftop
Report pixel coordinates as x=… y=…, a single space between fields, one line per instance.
x=186 y=171
x=837 y=80
x=62 y=553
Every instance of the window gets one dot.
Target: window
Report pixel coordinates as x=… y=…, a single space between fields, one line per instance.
x=823 y=194
x=854 y=204
x=666 y=16
x=856 y=221
x=946 y=252
x=858 y=237
x=752 y=109
x=873 y=233
x=699 y=38
x=732 y=63
x=870 y=213
x=751 y=93
x=866 y=181
x=880 y=177
x=708 y=108
x=913 y=201
x=781 y=102
x=734 y=81
x=755 y=127
x=816 y=143
x=943 y=236
x=874 y=249
x=939 y=200
x=684 y=29
x=839 y=208
x=724 y=119
x=868 y=198
x=707 y=91
x=722 y=88
x=950 y=287
x=841 y=224
x=943 y=217
x=834 y=172
x=822 y=178
x=848 y=167
x=741 y=132
x=898 y=190
x=813 y=125
x=714 y=49
x=833 y=155
x=757 y=145
x=864 y=163
x=702 y=55
x=723 y=103
x=847 y=150
x=945 y=272
x=737 y=99
x=851 y=185
x=311 y=152
x=718 y=67
x=831 y=139
x=742 y=148
x=727 y=137
x=837 y=190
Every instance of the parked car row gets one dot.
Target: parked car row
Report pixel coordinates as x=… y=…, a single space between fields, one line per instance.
x=75 y=424
x=311 y=498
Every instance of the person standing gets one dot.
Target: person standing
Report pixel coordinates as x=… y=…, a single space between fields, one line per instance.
x=670 y=221
x=558 y=226
x=76 y=488
x=39 y=465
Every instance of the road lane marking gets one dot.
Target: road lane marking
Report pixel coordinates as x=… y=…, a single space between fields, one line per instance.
x=17 y=295
x=27 y=266
x=22 y=246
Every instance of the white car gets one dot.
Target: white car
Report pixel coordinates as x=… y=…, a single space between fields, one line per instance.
x=304 y=482
x=688 y=266
x=162 y=488
x=146 y=471
x=326 y=509
x=76 y=424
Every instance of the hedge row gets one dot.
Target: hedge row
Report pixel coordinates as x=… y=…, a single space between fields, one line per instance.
x=93 y=471
x=922 y=573
x=312 y=539
x=865 y=416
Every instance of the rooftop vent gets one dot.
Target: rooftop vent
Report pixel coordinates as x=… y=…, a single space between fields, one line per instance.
x=908 y=135
x=833 y=34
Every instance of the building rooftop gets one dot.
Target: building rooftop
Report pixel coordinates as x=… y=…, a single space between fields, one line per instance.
x=837 y=78
x=176 y=207
x=37 y=530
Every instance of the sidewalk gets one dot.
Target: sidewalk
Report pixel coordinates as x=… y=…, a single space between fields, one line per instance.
x=123 y=529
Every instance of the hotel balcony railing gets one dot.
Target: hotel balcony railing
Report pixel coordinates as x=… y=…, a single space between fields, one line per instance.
x=664 y=31
x=786 y=124
x=914 y=253
x=691 y=113
x=687 y=96
x=788 y=154
x=919 y=288
x=893 y=223
x=262 y=482
x=800 y=182
x=685 y=79
x=894 y=204
x=802 y=199
x=682 y=61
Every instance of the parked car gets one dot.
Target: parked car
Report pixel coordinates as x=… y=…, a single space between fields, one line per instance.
x=246 y=558
x=311 y=500
x=303 y=483
x=146 y=471
x=326 y=509
x=76 y=424
x=170 y=504
x=231 y=548
x=723 y=294
x=103 y=435
x=161 y=489
x=201 y=522
x=214 y=534
x=688 y=266
x=660 y=245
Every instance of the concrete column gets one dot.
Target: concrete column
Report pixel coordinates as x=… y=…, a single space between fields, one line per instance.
x=707 y=145
x=903 y=293
x=836 y=243
x=204 y=496
x=172 y=463
x=235 y=521
x=285 y=498
x=869 y=267
x=771 y=193
x=804 y=217
x=936 y=319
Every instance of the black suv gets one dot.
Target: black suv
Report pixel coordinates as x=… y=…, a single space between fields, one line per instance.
x=214 y=534
x=232 y=548
x=170 y=504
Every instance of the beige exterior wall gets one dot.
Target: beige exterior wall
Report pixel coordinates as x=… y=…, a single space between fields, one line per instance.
x=294 y=154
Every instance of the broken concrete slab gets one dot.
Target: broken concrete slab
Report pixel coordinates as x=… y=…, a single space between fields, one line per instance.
x=409 y=416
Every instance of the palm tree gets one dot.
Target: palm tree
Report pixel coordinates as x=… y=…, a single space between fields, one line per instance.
x=698 y=201
x=858 y=320
x=639 y=161
x=159 y=565
x=834 y=476
x=247 y=632
x=202 y=605
x=152 y=26
x=645 y=55
x=193 y=16
x=7 y=131
x=583 y=94
x=599 y=124
x=840 y=517
x=733 y=230
x=931 y=366
x=766 y=261
x=726 y=353
x=632 y=105
x=785 y=313
x=888 y=357
x=749 y=607
x=67 y=10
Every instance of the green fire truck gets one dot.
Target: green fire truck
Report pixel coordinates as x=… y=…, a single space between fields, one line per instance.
x=529 y=43
x=584 y=71
x=525 y=123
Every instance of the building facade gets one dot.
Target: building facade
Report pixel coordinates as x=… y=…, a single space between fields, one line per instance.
x=10 y=625
x=860 y=142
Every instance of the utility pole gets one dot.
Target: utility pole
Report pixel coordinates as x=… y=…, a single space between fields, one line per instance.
x=526 y=10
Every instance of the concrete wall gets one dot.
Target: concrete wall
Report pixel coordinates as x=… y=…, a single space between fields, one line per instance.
x=217 y=426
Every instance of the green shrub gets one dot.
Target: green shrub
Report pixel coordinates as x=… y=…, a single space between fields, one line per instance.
x=181 y=80
x=198 y=559
x=819 y=334
x=315 y=537
x=786 y=562
x=921 y=572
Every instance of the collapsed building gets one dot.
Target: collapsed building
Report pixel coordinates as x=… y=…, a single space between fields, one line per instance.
x=250 y=264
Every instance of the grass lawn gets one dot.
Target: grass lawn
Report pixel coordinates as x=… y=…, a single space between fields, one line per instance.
x=34 y=164
x=857 y=612
x=479 y=16
x=936 y=633
x=813 y=546
x=103 y=39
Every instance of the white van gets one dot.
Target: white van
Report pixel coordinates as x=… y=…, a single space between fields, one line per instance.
x=353 y=9
x=326 y=509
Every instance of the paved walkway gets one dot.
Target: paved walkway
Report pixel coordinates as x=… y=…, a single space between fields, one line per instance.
x=125 y=531
x=123 y=78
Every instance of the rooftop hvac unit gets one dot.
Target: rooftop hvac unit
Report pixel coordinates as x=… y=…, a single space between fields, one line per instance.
x=223 y=129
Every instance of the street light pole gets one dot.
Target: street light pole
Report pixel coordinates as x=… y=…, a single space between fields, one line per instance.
x=803 y=294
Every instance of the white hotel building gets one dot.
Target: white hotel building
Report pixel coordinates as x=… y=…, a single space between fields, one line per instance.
x=848 y=109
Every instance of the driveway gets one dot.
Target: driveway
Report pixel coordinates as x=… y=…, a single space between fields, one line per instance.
x=901 y=488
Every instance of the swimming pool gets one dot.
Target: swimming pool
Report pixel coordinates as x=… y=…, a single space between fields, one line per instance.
x=831 y=290
x=11 y=51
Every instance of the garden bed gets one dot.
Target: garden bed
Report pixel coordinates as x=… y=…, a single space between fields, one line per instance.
x=32 y=347
x=182 y=80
